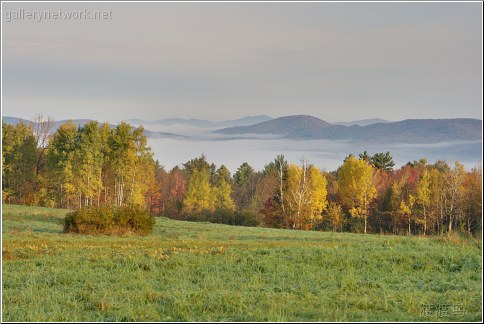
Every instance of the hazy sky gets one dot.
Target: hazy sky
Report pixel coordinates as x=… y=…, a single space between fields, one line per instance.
x=336 y=61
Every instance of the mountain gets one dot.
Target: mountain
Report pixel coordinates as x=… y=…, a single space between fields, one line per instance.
x=363 y=122
x=405 y=131
x=13 y=120
x=82 y=122
x=200 y=123
x=289 y=126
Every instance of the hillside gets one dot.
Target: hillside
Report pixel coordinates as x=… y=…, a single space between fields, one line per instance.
x=208 y=272
x=405 y=131
x=201 y=123
x=297 y=126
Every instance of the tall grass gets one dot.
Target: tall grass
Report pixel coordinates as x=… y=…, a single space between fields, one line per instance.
x=185 y=271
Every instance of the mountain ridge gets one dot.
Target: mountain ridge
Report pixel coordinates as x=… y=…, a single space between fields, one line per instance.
x=306 y=127
x=202 y=123
x=405 y=131
x=363 y=122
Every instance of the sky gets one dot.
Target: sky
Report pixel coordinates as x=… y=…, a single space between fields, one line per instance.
x=218 y=61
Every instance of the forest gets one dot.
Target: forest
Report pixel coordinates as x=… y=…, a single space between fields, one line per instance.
x=94 y=165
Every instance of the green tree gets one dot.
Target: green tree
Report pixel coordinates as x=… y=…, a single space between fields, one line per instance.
x=383 y=161
x=243 y=175
x=365 y=156
x=245 y=186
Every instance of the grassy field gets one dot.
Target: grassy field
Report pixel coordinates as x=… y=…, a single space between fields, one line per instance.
x=207 y=272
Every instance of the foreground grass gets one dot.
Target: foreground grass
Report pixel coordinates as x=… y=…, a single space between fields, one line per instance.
x=208 y=272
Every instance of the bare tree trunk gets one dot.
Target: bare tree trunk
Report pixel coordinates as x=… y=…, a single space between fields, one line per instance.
x=409 y=230
x=41 y=128
x=425 y=220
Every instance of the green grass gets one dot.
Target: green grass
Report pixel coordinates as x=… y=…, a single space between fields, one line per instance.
x=208 y=272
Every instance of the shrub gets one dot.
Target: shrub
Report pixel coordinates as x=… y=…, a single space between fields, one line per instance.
x=109 y=220
x=226 y=216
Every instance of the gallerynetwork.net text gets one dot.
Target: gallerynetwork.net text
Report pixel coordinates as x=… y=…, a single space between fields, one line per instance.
x=42 y=15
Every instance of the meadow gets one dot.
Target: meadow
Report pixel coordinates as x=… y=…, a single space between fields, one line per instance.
x=186 y=271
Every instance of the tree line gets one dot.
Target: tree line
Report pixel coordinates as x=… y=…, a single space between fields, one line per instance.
x=97 y=164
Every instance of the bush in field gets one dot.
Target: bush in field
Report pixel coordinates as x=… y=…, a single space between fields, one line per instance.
x=227 y=216
x=107 y=220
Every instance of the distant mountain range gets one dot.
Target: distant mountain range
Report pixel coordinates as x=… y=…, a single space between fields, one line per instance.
x=82 y=122
x=201 y=123
x=412 y=131
x=363 y=122
x=405 y=131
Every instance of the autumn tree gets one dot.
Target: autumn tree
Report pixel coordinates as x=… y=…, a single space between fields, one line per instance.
x=87 y=161
x=222 y=189
x=423 y=196
x=199 y=196
x=223 y=199
x=454 y=187
x=405 y=209
x=334 y=215
x=198 y=164
x=174 y=192
x=472 y=200
x=279 y=167
x=142 y=174
x=356 y=188
x=121 y=161
x=19 y=156
x=222 y=175
x=436 y=210
x=59 y=164
x=306 y=198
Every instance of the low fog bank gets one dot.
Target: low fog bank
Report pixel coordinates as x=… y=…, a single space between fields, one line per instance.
x=327 y=155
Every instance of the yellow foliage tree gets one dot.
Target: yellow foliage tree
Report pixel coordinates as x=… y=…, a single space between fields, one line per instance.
x=307 y=192
x=405 y=209
x=356 y=187
x=199 y=196
x=335 y=215
x=223 y=200
x=423 y=195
